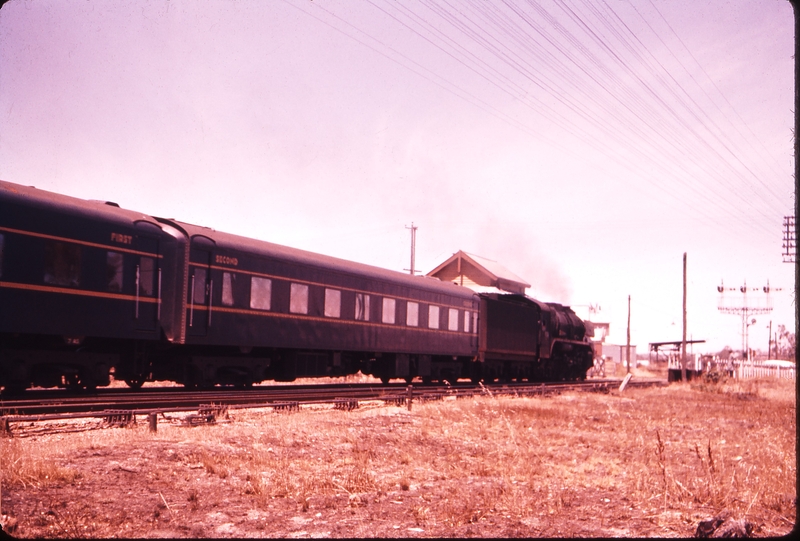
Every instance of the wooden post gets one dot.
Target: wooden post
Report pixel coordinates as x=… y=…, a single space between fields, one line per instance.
x=153 y=418
x=410 y=394
x=625 y=383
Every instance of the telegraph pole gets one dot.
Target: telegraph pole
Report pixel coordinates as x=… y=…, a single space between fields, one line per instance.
x=683 y=341
x=793 y=250
x=628 y=351
x=789 y=240
x=413 y=229
x=769 y=342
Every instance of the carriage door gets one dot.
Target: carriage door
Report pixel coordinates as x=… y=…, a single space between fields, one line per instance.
x=198 y=303
x=147 y=279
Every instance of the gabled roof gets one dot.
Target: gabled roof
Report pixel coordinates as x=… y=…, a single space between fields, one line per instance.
x=471 y=270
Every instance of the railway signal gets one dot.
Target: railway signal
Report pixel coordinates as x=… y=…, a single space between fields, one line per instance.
x=746 y=307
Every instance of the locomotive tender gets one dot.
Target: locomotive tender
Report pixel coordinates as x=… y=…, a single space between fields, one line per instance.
x=88 y=288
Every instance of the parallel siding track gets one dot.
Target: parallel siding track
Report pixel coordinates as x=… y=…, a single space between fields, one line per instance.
x=121 y=405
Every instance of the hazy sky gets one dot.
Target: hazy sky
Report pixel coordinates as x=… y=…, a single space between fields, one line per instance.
x=584 y=144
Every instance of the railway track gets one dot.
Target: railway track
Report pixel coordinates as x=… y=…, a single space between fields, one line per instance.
x=122 y=405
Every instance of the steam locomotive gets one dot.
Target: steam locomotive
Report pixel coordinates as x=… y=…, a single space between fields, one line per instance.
x=89 y=289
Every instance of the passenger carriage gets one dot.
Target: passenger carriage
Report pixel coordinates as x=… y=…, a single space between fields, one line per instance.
x=271 y=312
x=82 y=284
x=86 y=286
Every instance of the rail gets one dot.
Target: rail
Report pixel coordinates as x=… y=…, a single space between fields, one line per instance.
x=123 y=408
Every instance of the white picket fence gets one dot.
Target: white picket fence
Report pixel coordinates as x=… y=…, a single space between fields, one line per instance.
x=744 y=371
x=739 y=369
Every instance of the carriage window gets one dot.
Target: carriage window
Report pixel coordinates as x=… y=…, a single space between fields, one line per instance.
x=62 y=264
x=388 y=310
x=333 y=302
x=147 y=275
x=298 y=299
x=260 y=293
x=433 y=317
x=114 y=271
x=1 y=254
x=466 y=321
x=227 y=288
x=475 y=323
x=362 y=307
x=452 y=321
x=412 y=314
x=199 y=293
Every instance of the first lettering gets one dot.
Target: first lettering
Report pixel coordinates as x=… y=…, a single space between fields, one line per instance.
x=122 y=239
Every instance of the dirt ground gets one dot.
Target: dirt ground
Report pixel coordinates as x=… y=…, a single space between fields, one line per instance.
x=579 y=464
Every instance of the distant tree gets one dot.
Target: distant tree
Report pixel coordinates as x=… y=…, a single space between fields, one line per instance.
x=786 y=343
x=725 y=353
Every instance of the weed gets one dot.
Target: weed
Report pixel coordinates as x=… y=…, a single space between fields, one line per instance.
x=71 y=522
x=193 y=500
x=470 y=506
x=420 y=514
x=28 y=466
x=357 y=477
x=662 y=464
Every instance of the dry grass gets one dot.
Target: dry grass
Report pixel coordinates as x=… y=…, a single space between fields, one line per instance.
x=648 y=462
x=353 y=378
x=31 y=467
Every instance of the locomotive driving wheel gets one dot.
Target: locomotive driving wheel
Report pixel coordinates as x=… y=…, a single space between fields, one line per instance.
x=135 y=383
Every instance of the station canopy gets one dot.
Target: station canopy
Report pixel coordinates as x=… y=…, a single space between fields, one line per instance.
x=673 y=346
x=479 y=274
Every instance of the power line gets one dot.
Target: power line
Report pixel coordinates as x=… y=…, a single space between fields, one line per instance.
x=637 y=112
